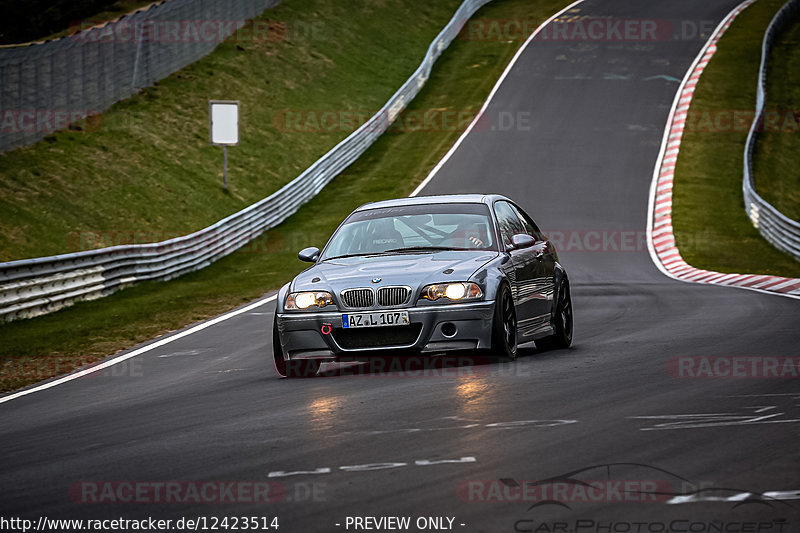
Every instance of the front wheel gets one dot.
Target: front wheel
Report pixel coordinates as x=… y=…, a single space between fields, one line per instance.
x=504 y=326
x=562 y=320
x=296 y=368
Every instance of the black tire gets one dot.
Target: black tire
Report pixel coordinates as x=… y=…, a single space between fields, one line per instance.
x=562 y=321
x=297 y=368
x=504 y=326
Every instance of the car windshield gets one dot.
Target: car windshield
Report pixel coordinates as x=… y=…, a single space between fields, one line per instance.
x=413 y=229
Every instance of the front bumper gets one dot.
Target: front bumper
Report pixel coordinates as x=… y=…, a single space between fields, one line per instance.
x=320 y=335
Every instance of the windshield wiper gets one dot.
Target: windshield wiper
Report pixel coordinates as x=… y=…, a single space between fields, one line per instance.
x=410 y=250
x=352 y=255
x=415 y=249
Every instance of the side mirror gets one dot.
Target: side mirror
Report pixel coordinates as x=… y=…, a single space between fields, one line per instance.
x=309 y=255
x=522 y=240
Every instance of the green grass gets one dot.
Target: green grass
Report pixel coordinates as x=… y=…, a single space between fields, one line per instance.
x=711 y=227
x=144 y=170
x=34 y=349
x=776 y=160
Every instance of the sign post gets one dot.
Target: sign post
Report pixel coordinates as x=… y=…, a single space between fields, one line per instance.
x=223 y=129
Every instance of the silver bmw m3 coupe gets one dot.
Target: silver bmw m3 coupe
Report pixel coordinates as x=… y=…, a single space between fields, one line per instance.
x=424 y=276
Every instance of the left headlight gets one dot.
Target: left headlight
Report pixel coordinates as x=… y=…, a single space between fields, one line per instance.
x=452 y=291
x=304 y=300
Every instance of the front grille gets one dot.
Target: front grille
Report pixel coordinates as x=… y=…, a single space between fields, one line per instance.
x=355 y=338
x=393 y=295
x=358 y=298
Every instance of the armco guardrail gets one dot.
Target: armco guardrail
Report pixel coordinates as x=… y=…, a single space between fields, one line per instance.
x=45 y=86
x=33 y=287
x=777 y=228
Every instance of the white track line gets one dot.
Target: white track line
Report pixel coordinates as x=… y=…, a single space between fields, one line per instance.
x=124 y=357
x=497 y=85
x=664 y=252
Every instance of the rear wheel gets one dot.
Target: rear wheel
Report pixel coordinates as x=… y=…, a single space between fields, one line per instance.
x=562 y=321
x=504 y=326
x=295 y=368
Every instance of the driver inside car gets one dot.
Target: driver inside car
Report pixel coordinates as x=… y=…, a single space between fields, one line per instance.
x=468 y=235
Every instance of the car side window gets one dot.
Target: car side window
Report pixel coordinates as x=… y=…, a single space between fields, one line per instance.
x=530 y=227
x=508 y=221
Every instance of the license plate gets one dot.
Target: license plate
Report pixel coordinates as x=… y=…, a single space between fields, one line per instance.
x=376 y=319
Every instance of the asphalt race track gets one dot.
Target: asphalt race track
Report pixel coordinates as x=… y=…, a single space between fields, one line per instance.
x=442 y=443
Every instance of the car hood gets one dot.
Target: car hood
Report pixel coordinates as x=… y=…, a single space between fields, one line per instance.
x=413 y=270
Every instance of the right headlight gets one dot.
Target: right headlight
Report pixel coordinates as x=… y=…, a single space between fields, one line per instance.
x=458 y=291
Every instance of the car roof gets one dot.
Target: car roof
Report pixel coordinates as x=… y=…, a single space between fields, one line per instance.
x=436 y=199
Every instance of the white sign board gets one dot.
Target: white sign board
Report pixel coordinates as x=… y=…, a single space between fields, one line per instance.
x=223 y=122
